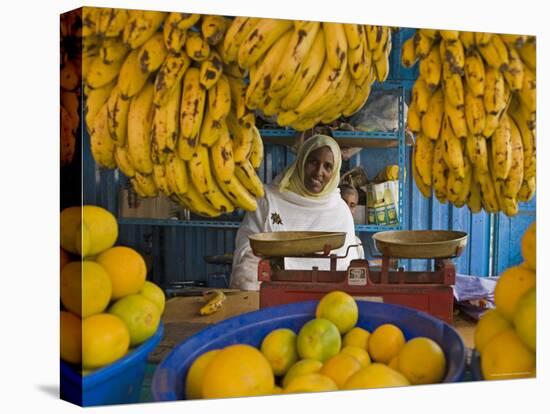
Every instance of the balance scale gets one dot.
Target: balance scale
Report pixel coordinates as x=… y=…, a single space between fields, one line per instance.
x=427 y=291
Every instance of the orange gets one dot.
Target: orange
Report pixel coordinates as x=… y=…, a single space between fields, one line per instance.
x=505 y=356
x=140 y=315
x=64 y=258
x=310 y=383
x=238 y=371
x=357 y=337
x=422 y=361
x=339 y=308
x=302 y=367
x=525 y=319
x=385 y=342
x=126 y=268
x=85 y=288
x=511 y=285
x=360 y=354
x=195 y=375
x=279 y=347
x=155 y=294
x=376 y=376
x=99 y=231
x=318 y=339
x=105 y=339
x=340 y=367
x=491 y=324
x=71 y=338
x=529 y=246
x=394 y=363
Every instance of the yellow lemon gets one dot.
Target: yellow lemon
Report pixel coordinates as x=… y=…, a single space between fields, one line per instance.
x=529 y=246
x=318 y=339
x=394 y=363
x=238 y=371
x=105 y=339
x=357 y=337
x=302 y=367
x=491 y=324
x=310 y=383
x=525 y=319
x=70 y=221
x=155 y=294
x=279 y=347
x=422 y=361
x=505 y=356
x=511 y=285
x=195 y=375
x=376 y=375
x=70 y=337
x=339 y=308
x=385 y=342
x=99 y=230
x=340 y=367
x=360 y=354
x=141 y=316
x=126 y=268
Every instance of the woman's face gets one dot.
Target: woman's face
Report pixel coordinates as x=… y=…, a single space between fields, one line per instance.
x=318 y=170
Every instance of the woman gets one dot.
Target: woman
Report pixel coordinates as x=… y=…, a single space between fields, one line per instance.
x=305 y=197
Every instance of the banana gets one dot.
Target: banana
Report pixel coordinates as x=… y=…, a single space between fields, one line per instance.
x=210 y=130
x=414 y=123
x=354 y=33
x=197 y=169
x=235 y=35
x=475 y=112
x=482 y=38
x=508 y=205
x=197 y=203
x=111 y=22
x=140 y=118
x=211 y=70
x=450 y=36
x=100 y=73
x=341 y=100
x=221 y=155
x=90 y=18
x=430 y=67
x=245 y=173
x=234 y=70
x=495 y=53
x=528 y=53
x=439 y=172
x=147 y=184
x=382 y=65
x=307 y=73
x=488 y=194
x=491 y=123
x=262 y=36
x=431 y=33
x=527 y=190
x=454 y=54
x=117 y=116
x=101 y=143
x=123 y=161
x=513 y=182
x=113 y=50
x=67 y=137
x=196 y=47
x=95 y=98
x=494 y=98
x=454 y=90
x=421 y=95
x=70 y=102
x=137 y=188
x=408 y=53
x=422 y=44
x=468 y=41
x=184 y=21
x=379 y=41
x=514 y=74
x=336 y=44
x=192 y=109
x=474 y=70
x=424 y=152
x=131 y=78
x=213 y=28
x=177 y=179
x=425 y=190
x=528 y=140
x=219 y=99
x=298 y=46
x=168 y=76
x=238 y=194
x=333 y=97
x=160 y=180
x=476 y=149
x=474 y=197
x=257 y=150
x=140 y=26
x=501 y=145
x=165 y=130
x=457 y=119
x=214 y=195
x=514 y=41
x=174 y=37
x=152 y=54
x=242 y=138
x=238 y=96
x=362 y=92
x=433 y=118
x=214 y=304
x=459 y=188
x=528 y=92
x=452 y=146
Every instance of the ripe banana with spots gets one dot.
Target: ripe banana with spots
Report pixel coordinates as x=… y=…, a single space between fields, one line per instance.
x=424 y=152
x=174 y=37
x=177 y=177
x=165 y=130
x=211 y=70
x=214 y=304
x=140 y=26
x=440 y=172
x=213 y=28
x=191 y=112
x=152 y=54
x=257 y=149
x=221 y=154
x=101 y=143
x=123 y=161
x=117 y=116
x=168 y=76
x=336 y=44
x=110 y=22
x=432 y=120
x=245 y=173
x=140 y=120
x=235 y=35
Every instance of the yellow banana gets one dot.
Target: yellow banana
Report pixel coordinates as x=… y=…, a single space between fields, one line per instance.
x=450 y=36
x=152 y=54
x=111 y=22
x=307 y=73
x=101 y=143
x=508 y=205
x=160 y=180
x=421 y=95
x=169 y=75
x=211 y=70
x=236 y=33
x=219 y=99
x=117 y=116
x=140 y=119
x=433 y=118
x=70 y=102
x=457 y=119
x=488 y=194
x=458 y=188
x=439 y=172
x=354 y=33
x=527 y=189
x=528 y=92
x=165 y=130
x=454 y=54
x=382 y=42
x=425 y=190
x=494 y=98
x=408 y=53
x=137 y=188
x=430 y=67
x=431 y=33
x=495 y=53
x=215 y=302
x=123 y=162
x=184 y=21
x=177 y=178
x=298 y=46
x=234 y=70
x=90 y=20
x=242 y=138
x=422 y=44
x=147 y=184
x=238 y=96
x=213 y=28
x=468 y=41
x=263 y=35
x=257 y=150
x=192 y=107
x=482 y=38
x=414 y=123
x=95 y=98
x=100 y=73
x=196 y=47
x=501 y=145
x=476 y=149
x=362 y=92
x=197 y=169
x=528 y=53
x=210 y=130
x=336 y=44
x=513 y=182
x=238 y=194
x=514 y=74
x=382 y=65
x=453 y=153
x=474 y=197
x=214 y=196
x=197 y=203
x=514 y=41
x=454 y=90
x=424 y=152
x=131 y=78
x=141 y=25
x=474 y=70
x=332 y=98
x=245 y=173
x=475 y=112
x=491 y=123
x=343 y=97
x=113 y=50
x=221 y=155
x=174 y=37
x=528 y=140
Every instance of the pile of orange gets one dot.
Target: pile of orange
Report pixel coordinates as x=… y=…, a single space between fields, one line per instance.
x=328 y=353
x=108 y=306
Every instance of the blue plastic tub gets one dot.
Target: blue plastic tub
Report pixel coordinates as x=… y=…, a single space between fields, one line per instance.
x=251 y=328
x=118 y=383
